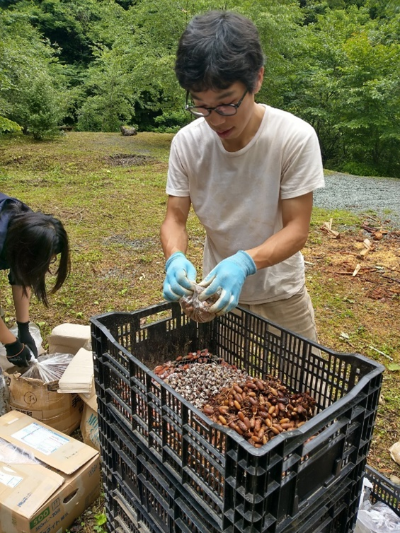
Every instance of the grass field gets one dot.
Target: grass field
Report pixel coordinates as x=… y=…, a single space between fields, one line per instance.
x=109 y=191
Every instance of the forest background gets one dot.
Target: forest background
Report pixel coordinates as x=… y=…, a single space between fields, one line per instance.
x=93 y=65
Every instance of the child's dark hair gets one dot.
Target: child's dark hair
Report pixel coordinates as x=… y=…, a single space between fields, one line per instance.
x=33 y=240
x=218 y=49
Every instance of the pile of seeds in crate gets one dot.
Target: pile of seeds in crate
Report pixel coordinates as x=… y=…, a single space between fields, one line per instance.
x=256 y=409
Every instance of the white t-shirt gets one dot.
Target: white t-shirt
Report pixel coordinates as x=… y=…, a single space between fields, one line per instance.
x=236 y=195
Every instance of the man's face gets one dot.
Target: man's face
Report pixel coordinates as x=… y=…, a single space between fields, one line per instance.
x=237 y=130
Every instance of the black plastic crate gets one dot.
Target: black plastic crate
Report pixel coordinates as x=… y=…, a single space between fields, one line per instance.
x=383 y=489
x=137 y=482
x=238 y=488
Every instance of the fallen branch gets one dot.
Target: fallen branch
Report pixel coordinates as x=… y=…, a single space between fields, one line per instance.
x=382 y=353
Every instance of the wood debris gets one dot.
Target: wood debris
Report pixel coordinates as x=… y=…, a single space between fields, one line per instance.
x=367 y=247
x=327 y=227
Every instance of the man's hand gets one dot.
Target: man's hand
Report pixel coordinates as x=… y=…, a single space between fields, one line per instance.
x=227 y=278
x=25 y=336
x=17 y=353
x=180 y=277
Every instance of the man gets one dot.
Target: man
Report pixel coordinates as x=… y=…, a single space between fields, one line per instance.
x=249 y=171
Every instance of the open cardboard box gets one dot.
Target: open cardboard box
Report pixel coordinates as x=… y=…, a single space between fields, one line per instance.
x=48 y=496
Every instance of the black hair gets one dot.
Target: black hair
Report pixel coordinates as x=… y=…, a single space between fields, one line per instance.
x=32 y=242
x=218 y=49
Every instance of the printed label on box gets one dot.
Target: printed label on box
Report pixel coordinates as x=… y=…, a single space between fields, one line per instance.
x=9 y=480
x=41 y=439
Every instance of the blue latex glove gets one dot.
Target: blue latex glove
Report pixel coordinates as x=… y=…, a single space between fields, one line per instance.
x=227 y=278
x=180 y=277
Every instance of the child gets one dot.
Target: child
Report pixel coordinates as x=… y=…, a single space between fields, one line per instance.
x=29 y=243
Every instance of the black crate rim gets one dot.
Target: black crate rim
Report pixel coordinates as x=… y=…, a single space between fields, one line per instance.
x=312 y=426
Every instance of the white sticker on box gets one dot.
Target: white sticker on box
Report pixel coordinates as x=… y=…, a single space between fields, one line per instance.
x=41 y=439
x=9 y=481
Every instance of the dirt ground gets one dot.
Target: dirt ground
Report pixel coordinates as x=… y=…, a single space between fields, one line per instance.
x=118 y=263
x=368 y=284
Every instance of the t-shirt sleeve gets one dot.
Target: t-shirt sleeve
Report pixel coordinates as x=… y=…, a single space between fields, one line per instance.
x=177 y=180
x=302 y=170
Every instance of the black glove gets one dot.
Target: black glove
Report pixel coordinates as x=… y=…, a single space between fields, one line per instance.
x=25 y=336
x=17 y=353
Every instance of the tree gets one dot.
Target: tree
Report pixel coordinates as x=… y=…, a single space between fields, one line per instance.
x=32 y=92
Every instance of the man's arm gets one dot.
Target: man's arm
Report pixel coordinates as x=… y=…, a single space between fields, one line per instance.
x=180 y=273
x=296 y=216
x=228 y=276
x=174 y=237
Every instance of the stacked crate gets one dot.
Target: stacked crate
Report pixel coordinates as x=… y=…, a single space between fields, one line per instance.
x=168 y=468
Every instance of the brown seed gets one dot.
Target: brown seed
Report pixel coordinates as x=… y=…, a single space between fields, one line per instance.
x=242 y=426
x=223 y=409
x=247 y=422
x=222 y=420
x=241 y=416
x=268 y=422
x=260 y=384
x=274 y=391
x=255 y=439
x=236 y=388
x=253 y=401
x=237 y=405
x=275 y=430
x=284 y=421
x=208 y=410
x=238 y=398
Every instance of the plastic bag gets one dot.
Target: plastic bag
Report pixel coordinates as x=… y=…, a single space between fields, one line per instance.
x=11 y=454
x=49 y=368
x=197 y=310
x=33 y=330
x=377 y=518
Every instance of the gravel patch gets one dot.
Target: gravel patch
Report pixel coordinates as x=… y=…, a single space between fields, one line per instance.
x=361 y=195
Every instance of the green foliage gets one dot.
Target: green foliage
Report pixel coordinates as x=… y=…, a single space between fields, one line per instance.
x=8 y=126
x=31 y=92
x=99 y=64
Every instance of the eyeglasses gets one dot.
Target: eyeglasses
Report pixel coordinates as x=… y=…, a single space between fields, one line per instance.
x=226 y=110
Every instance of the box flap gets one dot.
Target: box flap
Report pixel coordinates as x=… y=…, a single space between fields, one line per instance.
x=78 y=376
x=25 y=488
x=90 y=399
x=54 y=448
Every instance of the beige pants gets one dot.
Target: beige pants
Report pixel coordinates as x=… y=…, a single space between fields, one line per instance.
x=295 y=314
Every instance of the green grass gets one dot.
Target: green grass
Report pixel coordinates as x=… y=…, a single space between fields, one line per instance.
x=113 y=215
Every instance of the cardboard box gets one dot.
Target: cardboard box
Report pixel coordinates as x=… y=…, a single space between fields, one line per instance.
x=45 y=497
x=42 y=402
x=90 y=422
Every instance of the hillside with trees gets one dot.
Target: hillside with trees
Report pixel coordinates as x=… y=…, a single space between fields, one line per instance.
x=93 y=65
